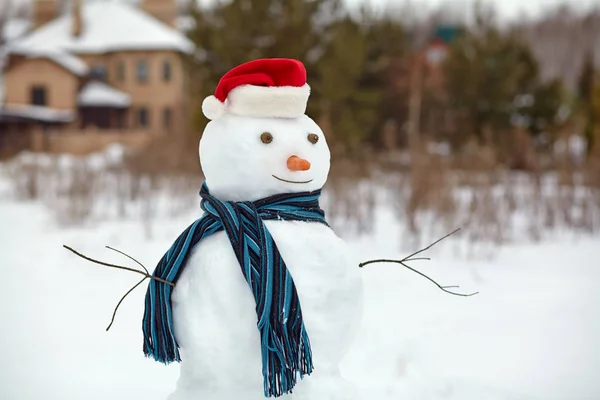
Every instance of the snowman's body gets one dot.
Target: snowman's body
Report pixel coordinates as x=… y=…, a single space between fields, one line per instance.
x=260 y=144
x=215 y=317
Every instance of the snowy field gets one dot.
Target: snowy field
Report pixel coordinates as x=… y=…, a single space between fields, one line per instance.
x=533 y=332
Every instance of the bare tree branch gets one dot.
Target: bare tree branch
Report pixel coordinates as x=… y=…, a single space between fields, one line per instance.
x=410 y=258
x=128 y=256
x=120 y=301
x=146 y=274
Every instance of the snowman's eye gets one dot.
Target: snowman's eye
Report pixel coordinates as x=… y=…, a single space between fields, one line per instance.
x=313 y=138
x=266 y=137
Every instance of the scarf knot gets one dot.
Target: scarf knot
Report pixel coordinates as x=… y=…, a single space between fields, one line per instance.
x=285 y=346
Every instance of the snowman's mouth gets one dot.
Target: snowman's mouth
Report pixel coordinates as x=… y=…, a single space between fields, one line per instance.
x=285 y=180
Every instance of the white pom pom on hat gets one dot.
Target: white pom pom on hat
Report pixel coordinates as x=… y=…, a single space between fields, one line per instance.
x=270 y=88
x=212 y=108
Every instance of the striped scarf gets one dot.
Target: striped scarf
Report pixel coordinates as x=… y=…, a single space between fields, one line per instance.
x=284 y=342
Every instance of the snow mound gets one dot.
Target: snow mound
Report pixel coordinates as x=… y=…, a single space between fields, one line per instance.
x=530 y=334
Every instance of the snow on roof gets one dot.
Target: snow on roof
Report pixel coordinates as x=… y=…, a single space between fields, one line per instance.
x=37 y=113
x=100 y=94
x=107 y=26
x=66 y=60
x=15 y=28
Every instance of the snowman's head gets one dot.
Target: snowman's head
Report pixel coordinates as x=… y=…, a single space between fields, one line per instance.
x=248 y=158
x=259 y=142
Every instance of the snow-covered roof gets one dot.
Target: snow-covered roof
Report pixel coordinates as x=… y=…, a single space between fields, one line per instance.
x=37 y=113
x=66 y=60
x=98 y=94
x=107 y=26
x=15 y=28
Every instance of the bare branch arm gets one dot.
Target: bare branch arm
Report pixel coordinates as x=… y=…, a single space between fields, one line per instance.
x=120 y=301
x=410 y=258
x=146 y=274
x=430 y=246
x=128 y=256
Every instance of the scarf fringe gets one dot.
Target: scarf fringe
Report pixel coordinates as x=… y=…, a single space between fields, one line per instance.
x=160 y=344
x=282 y=368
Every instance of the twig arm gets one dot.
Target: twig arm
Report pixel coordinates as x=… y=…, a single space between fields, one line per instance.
x=102 y=262
x=413 y=258
x=444 y=288
x=120 y=301
x=430 y=246
x=381 y=260
x=131 y=258
x=147 y=275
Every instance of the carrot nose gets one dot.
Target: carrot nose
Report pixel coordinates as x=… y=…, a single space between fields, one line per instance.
x=295 y=163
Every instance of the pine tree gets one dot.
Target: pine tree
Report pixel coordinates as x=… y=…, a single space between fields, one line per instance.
x=485 y=74
x=348 y=107
x=355 y=77
x=387 y=49
x=493 y=80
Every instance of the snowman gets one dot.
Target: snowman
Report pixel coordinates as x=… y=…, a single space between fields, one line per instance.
x=266 y=298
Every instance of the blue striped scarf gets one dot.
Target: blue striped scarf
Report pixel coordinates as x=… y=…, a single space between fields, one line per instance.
x=285 y=344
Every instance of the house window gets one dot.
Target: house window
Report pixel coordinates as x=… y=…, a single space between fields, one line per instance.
x=166 y=71
x=99 y=72
x=38 y=96
x=142 y=71
x=167 y=117
x=121 y=119
x=143 y=117
x=121 y=71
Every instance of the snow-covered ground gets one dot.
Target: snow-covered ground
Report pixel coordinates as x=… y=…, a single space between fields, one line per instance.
x=533 y=332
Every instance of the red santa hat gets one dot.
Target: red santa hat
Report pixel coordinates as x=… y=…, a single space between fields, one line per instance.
x=270 y=87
